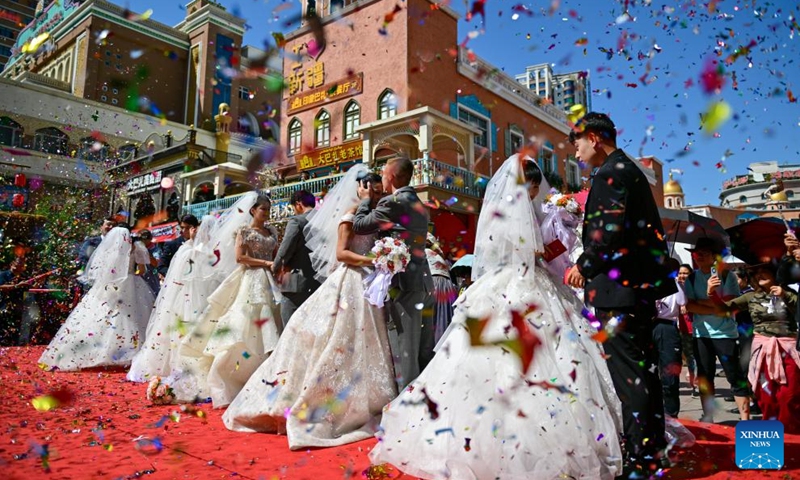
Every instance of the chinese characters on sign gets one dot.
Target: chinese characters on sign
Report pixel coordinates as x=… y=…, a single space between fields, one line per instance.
x=346 y=87
x=345 y=152
x=313 y=77
x=143 y=183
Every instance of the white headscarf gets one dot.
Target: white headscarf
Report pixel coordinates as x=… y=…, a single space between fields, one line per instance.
x=508 y=231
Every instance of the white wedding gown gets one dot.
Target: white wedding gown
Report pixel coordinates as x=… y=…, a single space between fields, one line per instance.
x=181 y=301
x=471 y=414
x=235 y=334
x=107 y=327
x=331 y=373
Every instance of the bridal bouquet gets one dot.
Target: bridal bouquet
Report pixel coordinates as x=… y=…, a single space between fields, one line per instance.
x=391 y=257
x=159 y=393
x=567 y=202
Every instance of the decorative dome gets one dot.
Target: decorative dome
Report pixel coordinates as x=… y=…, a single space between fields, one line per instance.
x=779 y=197
x=672 y=187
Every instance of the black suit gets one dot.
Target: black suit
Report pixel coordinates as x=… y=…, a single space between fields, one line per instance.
x=625 y=270
x=298 y=283
x=168 y=250
x=402 y=215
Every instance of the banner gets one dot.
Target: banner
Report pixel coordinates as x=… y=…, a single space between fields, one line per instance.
x=164 y=232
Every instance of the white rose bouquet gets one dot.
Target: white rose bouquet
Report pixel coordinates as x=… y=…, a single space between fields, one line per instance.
x=391 y=257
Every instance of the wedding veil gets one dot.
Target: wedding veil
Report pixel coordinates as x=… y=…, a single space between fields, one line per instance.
x=508 y=232
x=110 y=261
x=223 y=234
x=321 y=233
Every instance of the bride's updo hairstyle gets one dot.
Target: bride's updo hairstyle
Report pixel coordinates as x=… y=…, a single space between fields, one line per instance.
x=531 y=172
x=261 y=200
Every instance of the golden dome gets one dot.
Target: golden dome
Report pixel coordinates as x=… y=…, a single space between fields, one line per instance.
x=779 y=197
x=672 y=187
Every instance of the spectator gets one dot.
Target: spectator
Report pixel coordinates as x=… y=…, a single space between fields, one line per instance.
x=685 y=328
x=12 y=302
x=150 y=273
x=715 y=334
x=774 y=372
x=169 y=248
x=667 y=339
x=444 y=291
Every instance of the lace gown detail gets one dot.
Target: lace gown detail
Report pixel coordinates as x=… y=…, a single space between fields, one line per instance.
x=331 y=371
x=238 y=330
x=560 y=420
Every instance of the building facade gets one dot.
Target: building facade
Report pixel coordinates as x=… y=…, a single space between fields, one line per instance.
x=14 y=16
x=766 y=186
x=103 y=52
x=564 y=90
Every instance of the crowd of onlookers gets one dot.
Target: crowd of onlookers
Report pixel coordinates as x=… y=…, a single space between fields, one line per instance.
x=744 y=320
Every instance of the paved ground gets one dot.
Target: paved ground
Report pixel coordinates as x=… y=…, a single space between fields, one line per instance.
x=692 y=409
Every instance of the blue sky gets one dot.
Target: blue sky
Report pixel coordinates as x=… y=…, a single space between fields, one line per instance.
x=645 y=69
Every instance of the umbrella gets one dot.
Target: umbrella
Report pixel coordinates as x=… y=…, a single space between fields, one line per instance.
x=733 y=261
x=686 y=227
x=463 y=266
x=759 y=240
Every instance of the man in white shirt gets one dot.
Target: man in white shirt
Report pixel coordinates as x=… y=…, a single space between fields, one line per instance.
x=667 y=339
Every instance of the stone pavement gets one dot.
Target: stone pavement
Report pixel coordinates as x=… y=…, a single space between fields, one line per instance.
x=692 y=409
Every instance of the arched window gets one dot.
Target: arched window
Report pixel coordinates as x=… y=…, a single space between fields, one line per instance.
x=92 y=150
x=669 y=202
x=352 y=119
x=295 y=136
x=387 y=105
x=127 y=152
x=789 y=194
x=322 y=129
x=10 y=132
x=743 y=199
x=50 y=140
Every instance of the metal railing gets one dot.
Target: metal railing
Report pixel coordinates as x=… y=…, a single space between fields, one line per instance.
x=426 y=172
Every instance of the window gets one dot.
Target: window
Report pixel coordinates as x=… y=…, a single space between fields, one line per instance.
x=387 y=105
x=127 y=152
x=295 y=136
x=92 y=150
x=478 y=121
x=352 y=119
x=10 y=132
x=244 y=93
x=322 y=129
x=517 y=140
x=547 y=159
x=743 y=199
x=50 y=140
x=573 y=173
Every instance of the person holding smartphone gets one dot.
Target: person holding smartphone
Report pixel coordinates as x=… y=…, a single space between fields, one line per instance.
x=716 y=333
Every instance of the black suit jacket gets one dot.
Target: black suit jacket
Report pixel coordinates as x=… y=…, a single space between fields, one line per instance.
x=293 y=255
x=168 y=250
x=402 y=215
x=624 y=256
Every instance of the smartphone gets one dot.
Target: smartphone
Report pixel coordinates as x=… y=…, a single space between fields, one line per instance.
x=713 y=271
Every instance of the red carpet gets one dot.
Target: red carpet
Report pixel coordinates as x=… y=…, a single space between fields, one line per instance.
x=95 y=436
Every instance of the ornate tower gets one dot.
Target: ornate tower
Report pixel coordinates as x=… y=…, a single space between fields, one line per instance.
x=673 y=194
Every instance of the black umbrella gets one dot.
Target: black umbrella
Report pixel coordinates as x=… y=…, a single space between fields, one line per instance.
x=759 y=240
x=686 y=227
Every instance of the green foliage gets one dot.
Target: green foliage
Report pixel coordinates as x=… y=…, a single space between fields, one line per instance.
x=68 y=222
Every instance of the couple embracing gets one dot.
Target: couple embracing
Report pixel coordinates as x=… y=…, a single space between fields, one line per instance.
x=332 y=371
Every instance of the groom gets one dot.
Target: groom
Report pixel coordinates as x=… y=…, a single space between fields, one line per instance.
x=401 y=214
x=625 y=270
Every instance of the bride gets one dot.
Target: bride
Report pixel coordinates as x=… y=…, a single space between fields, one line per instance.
x=331 y=373
x=107 y=326
x=474 y=412
x=180 y=302
x=241 y=324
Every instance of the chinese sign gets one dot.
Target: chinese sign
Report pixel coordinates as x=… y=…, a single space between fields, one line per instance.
x=346 y=87
x=164 y=232
x=143 y=183
x=313 y=77
x=324 y=157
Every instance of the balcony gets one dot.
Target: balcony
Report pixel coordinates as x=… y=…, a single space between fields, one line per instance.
x=427 y=172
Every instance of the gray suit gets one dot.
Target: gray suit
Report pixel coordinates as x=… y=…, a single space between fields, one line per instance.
x=403 y=216
x=298 y=283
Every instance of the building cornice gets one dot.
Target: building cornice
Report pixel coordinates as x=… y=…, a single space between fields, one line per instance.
x=215 y=15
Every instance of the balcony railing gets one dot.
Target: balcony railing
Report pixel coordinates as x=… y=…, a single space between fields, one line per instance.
x=427 y=172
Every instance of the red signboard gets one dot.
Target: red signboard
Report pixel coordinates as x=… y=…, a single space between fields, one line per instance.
x=164 y=232
x=346 y=87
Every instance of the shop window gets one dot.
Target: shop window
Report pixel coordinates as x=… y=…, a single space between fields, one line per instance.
x=352 y=119
x=295 y=136
x=322 y=129
x=387 y=105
